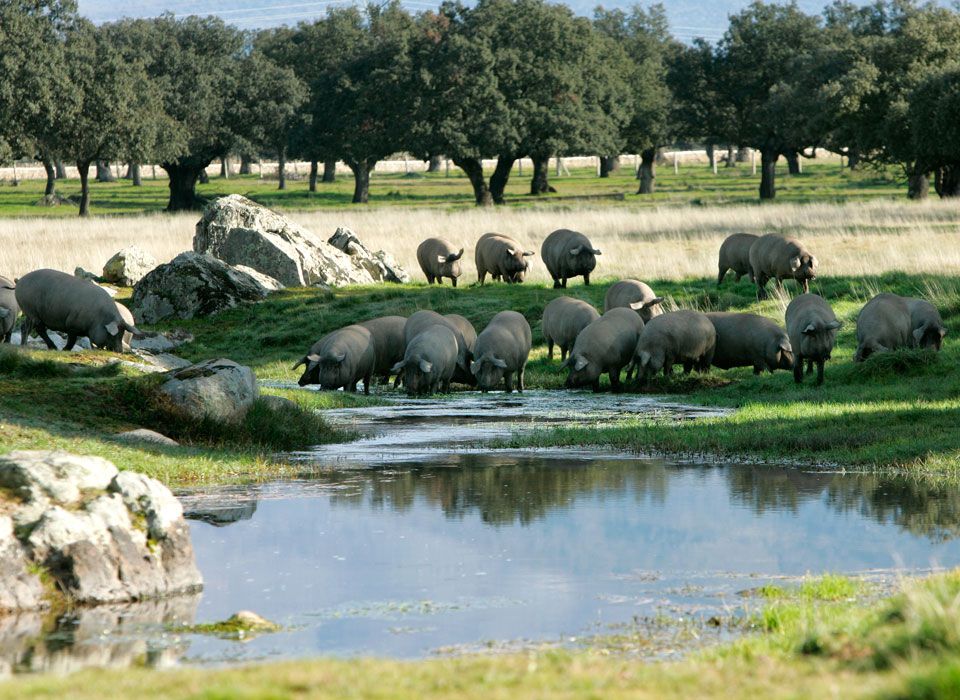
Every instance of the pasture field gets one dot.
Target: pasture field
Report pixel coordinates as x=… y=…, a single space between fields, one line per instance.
x=695 y=183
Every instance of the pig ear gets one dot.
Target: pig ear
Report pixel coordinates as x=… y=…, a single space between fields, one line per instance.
x=112 y=328
x=645 y=358
x=795 y=263
x=655 y=301
x=918 y=334
x=301 y=361
x=399 y=366
x=809 y=330
x=313 y=359
x=577 y=250
x=442 y=259
x=637 y=305
x=497 y=362
x=596 y=252
x=511 y=251
x=528 y=253
x=136 y=332
x=474 y=367
x=833 y=325
x=426 y=367
x=786 y=347
x=4 y=313
x=453 y=257
x=580 y=363
x=339 y=357
x=813 y=261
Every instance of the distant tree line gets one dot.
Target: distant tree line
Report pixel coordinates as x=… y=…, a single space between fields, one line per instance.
x=503 y=80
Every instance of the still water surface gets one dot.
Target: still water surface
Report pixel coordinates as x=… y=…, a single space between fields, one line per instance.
x=409 y=542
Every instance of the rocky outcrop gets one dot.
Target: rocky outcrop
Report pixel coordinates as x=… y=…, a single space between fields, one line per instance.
x=380 y=265
x=190 y=285
x=128 y=266
x=102 y=536
x=218 y=389
x=241 y=232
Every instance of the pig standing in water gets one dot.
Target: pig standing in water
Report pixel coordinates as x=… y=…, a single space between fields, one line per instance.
x=502 y=350
x=605 y=346
x=685 y=337
x=636 y=295
x=340 y=359
x=568 y=254
x=8 y=309
x=563 y=319
x=882 y=326
x=421 y=320
x=429 y=361
x=388 y=343
x=56 y=301
x=749 y=340
x=812 y=327
x=438 y=259
x=735 y=255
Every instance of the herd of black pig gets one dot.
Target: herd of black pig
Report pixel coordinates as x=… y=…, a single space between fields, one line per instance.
x=428 y=351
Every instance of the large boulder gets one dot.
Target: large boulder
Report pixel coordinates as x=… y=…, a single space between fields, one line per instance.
x=103 y=536
x=193 y=284
x=128 y=266
x=218 y=389
x=241 y=232
x=381 y=265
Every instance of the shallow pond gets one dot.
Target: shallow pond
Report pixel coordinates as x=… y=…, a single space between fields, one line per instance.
x=414 y=542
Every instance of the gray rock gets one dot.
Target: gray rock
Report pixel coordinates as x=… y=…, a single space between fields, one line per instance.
x=265 y=280
x=85 y=274
x=144 y=435
x=277 y=403
x=381 y=266
x=104 y=536
x=219 y=389
x=128 y=266
x=241 y=232
x=193 y=285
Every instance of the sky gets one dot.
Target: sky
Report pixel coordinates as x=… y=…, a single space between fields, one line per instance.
x=689 y=19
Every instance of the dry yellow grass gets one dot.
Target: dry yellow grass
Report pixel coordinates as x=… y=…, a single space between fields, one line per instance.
x=668 y=243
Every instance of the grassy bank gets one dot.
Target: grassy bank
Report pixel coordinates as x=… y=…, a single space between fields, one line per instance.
x=816 y=640
x=898 y=410
x=694 y=183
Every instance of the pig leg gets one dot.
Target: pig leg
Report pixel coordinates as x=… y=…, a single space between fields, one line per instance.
x=508 y=381
x=366 y=384
x=596 y=386
x=556 y=283
x=550 y=350
x=42 y=332
x=758 y=369
x=687 y=366
x=761 y=286
x=520 y=385
x=586 y=279
x=806 y=286
x=453 y=281
x=809 y=366
x=563 y=282
x=819 y=372
x=71 y=341
x=723 y=271
x=668 y=369
x=614 y=380
x=798 y=369
x=481 y=276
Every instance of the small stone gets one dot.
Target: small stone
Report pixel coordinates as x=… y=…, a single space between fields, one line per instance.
x=145 y=435
x=85 y=274
x=128 y=266
x=218 y=389
x=249 y=620
x=278 y=403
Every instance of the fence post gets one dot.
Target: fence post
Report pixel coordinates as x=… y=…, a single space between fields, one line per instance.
x=676 y=163
x=448 y=167
x=753 y=160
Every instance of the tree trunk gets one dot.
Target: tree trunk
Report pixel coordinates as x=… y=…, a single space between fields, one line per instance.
x=948 y=181
x=202 y=177
x=743 y=154
x=61 y=169
x=104 y=174
x=918 y=185
x=853 y=159
x=648 y=171
x=768 y=173
x=136 y=175
x=225 y=167
x=282 y=168
x=314 y=170
x=609 y=164
x=500 y=177
x=731 y=156
x=83 y=167
x=434 y=163
x=711 y=155
x=246 y=164
x=129 y=174
x=793 y=162
x=473 y=168
x=51 y=171
x=183 y=186
x=539 y=183
x=361 y=180
x=329 y=171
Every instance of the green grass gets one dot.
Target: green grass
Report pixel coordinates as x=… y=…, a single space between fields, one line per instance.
x=694 y=184
x=810 y=642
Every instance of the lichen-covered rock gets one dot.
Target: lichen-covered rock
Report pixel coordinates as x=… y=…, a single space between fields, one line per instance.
x=241 y=232
x=193 y=285
x=218 y=389
x=128 y=266
x=380 y=265
x=102 y=535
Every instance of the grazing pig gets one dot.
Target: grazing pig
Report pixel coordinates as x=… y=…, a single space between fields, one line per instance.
x=568 y=254
x=563 y=319
x=8 y=309
x=926 y=325
x=340 y=359
x=812 y=327
x=469 y=333
x=502 y=350
x=635 y=295
x=748 y=340
x=777 y=257
x=735 y=255
x=56 y=301
x=883 y=325
x=429 y=361
x=438 y=259
x=422 y=320
x=605 y=346
x=502 y=257
x=685 y=337
x=388 y=343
